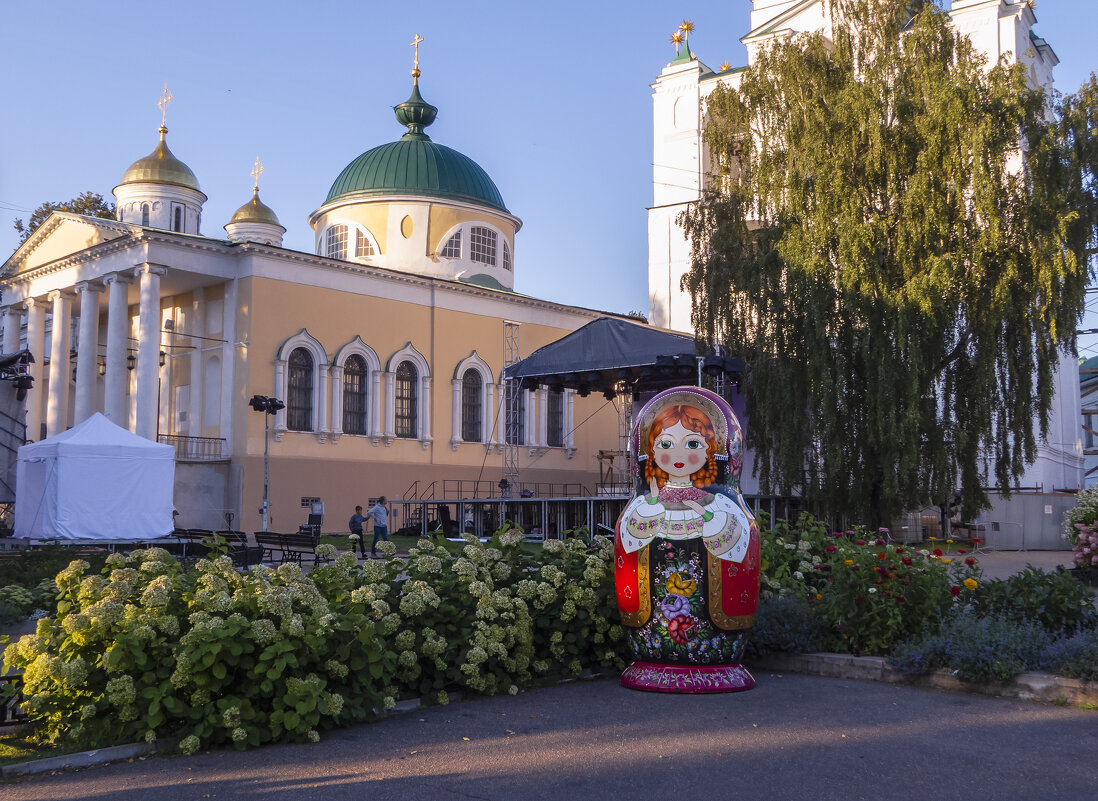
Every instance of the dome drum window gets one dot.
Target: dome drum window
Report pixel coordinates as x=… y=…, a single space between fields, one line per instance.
x=452 y=249
x=336 y=242
x=363 y=247
x=482 y=245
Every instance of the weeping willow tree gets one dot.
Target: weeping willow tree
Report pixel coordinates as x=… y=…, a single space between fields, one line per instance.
x=896 y=242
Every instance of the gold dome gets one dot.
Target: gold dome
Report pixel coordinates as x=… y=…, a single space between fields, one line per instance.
x=161 y=167
x=256 y=211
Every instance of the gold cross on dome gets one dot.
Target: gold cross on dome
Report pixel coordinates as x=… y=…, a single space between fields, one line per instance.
x=162 y=104
x=415 y=66
x=257 y=171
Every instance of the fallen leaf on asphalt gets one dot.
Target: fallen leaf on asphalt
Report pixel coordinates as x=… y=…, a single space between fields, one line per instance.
x=413 y=752
x=467 y=739
x=509 y=731
x=844 y=736
x=755 y=725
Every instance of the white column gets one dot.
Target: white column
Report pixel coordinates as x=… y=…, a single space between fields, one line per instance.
x=390 y=406
x=489 y=411
x=529 y=417
x=87 y=352
x=148 y=350
x=569 y=421
x=457 y=436
x=543 y=417
x=228 y=369
x=322 y=401
x=13 y=322
x=57 y=406
x=501 y=415
x=36 y=344
x=425 y=412
x=375 y=401
x=118 y=323
x=336 y=373
x=196 y=324
x=280 y=393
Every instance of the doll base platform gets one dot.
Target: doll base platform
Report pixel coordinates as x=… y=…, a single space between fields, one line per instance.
x=655 y=677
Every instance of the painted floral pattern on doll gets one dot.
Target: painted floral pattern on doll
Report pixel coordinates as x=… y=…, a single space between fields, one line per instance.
x=681 y=630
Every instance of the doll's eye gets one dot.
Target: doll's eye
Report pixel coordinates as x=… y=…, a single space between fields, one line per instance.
x=694 y=444
x=666 y=444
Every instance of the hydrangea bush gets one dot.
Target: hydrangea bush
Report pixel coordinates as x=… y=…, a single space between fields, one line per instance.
x=215 y=656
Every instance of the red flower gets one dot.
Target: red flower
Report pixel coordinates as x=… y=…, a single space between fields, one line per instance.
x=970 y=561
x=899 y=550
x=882 y=556
x=681 y=628
x=879 y=581
x=906 y=561
x=954 y=591
x=831 y=549
x=961 y=550
x=900 y=599
x=860 y=542
x=937 y=551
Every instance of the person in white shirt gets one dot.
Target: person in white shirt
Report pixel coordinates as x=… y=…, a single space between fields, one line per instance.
x=380 y=515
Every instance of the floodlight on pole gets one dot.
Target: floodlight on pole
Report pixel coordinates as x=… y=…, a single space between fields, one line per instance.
x=268 y=406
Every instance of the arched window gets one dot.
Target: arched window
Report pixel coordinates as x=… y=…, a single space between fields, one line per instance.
x=452 y=248
x=177 y=223
x=555 y=423
x=144 y=213
x=482 y=245
x=354 y=395
x=407 y=400
x=506 y=256
x=299 y=400
x=363 y=246
x=471 y=411
x=336 y=242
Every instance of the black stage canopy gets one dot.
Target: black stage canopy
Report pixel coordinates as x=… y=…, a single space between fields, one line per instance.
x=608 y=350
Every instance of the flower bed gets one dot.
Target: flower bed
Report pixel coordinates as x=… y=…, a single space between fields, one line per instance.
x=215 y=656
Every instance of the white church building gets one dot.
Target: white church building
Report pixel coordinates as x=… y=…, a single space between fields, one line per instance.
x=681 y=168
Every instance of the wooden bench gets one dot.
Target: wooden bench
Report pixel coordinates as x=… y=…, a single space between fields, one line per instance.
x=289 y=547
x=199 y=542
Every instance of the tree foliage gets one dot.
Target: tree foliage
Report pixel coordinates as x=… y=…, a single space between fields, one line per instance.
x=896 y=241
x=89 y=204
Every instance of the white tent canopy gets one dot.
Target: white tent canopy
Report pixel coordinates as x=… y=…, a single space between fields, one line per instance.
x=95 y=481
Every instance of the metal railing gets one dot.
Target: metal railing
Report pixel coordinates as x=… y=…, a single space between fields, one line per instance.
x=195 y=449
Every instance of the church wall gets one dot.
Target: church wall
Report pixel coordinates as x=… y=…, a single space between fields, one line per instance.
x=444 y=218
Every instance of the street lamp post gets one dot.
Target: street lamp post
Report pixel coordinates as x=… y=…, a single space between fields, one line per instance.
x=268 y=406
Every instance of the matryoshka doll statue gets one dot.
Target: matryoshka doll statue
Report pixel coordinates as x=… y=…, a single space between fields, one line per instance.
x=686 y=549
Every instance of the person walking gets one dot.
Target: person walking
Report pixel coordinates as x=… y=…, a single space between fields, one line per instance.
x=355 y=525
x=380 y=515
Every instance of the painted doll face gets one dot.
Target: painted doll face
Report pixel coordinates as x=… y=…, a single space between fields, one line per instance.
x=679 y=451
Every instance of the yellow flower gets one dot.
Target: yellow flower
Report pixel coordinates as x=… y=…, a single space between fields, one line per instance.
x=949 y=540
x=971 y=584
x=947 y=561
x=848 y=561
x=681 y=585
x=819 y=596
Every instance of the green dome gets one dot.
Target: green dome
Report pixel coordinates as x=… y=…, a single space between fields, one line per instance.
x=415 y=165
x=161 y=167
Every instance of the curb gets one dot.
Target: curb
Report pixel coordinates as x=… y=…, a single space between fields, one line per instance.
x=86 y=759
x=1026 y=686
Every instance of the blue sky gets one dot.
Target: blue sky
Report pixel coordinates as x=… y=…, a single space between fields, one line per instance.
x=552 y=99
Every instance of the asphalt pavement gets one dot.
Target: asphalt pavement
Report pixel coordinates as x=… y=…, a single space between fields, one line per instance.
x=792 y=737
